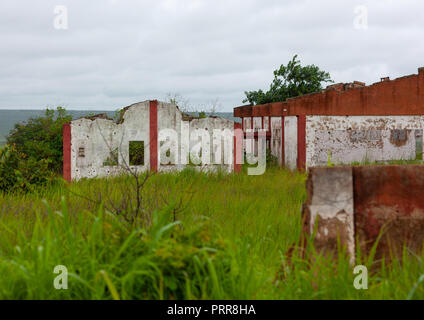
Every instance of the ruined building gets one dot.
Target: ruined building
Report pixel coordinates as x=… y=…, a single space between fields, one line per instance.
x=98 y=146
x=345 y=123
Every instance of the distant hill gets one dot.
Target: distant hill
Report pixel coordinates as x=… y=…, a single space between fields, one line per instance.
x=8 y=118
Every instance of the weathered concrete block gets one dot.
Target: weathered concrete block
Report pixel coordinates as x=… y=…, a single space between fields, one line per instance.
x=364 y=204
x=330 y=201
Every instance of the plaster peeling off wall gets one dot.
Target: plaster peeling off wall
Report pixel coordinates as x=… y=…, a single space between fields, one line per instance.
x=347 y=139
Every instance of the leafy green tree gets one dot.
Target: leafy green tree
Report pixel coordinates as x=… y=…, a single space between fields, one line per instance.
x=41 y=138
x=291 y=80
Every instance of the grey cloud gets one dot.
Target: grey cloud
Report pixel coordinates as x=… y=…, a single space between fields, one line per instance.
x=119 y=52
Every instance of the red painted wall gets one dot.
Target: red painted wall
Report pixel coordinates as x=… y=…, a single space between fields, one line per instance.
x=153 y=136
x=67 y=152
x=402 y=96
x=389 y=199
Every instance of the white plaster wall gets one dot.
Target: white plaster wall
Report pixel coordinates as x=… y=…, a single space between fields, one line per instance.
x=223 y=125
x=89 y=135
x=276 y=140
x=266 y=123
x=247 y=123
x=170 y=117
x=98 y=137
x=359 y=138
x=257 y=122
x=290 y=142
x=136 y=127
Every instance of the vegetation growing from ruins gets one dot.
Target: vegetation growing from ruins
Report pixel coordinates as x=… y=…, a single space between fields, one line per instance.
x=136 y=153
x=291 y=80
x=234 y=238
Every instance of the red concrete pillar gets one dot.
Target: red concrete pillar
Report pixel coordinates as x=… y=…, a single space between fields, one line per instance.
x=67 y=152
x=251 y=123
x=283 y=143
x=242 y=124
x=153 y=136
x=262 y=123
x=301 y=142
x=238 y=146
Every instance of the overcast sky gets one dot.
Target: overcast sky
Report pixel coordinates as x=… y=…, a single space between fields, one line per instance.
x=117 y=52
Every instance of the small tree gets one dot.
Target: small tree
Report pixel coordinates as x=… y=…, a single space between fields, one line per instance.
x=290 y=81
x=18 y=173
x=42 y=138
x=179 y=100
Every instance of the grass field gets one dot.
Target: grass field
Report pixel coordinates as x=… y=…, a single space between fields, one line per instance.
x=199 y=236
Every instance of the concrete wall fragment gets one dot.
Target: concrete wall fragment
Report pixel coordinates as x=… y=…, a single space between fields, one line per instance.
x=367 y=205
x=329 y=208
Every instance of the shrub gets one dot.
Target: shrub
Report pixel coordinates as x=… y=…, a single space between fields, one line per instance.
x=18 y=172
x=41 y=138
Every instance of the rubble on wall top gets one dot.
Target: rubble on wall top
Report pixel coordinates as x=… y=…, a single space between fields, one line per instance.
x=119 y=118
x=346 y=86
x=96 y=116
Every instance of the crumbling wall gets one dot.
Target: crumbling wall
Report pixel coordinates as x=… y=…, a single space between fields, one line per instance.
x=348 y=139
x=402 y=96
x=354 y=122
x=330 y=205
x=366 y=205
x=96 y=143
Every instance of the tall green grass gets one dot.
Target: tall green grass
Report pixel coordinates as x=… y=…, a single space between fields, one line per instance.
x=204 y=236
